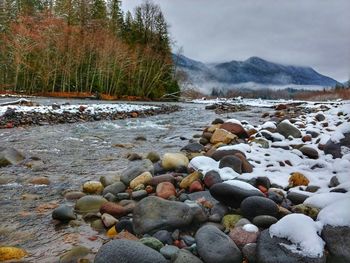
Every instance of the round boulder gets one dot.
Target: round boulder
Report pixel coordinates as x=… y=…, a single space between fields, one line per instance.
x=219 y=249
x=127 y=251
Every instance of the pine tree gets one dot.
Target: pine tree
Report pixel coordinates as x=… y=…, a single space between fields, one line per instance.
x=98 y=10
x=116 y=17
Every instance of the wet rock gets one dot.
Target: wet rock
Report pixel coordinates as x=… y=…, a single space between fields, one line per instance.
x=172 y=161
x=93 y=187
x=109 y=179
x=232 y=195
x=115 y=188
x=165 y=190
x=108 y=220
x=309 y=152
x=219 y=249
x=184 y=256
x=10 y=156
x=196 y=186
x=234 y=128
x=264 y=221
x=233 y=162
x=143 y=178
x=124 y=225
x=188 y=180
x=270 y=250
x=193 y=148
x=169 y=251
x=162 y=178
x=136 y=168
x=89 y=204
x=164 y=237
x=249 y=252
x=137 y=195
x=338 y=242
x=154 y=213
x=287 y=129
x=152 y=243
x=11 y=253
x=40 y=181
x=74 y=254
x=211 y=178
x=153 y=157
x=255 y=206
x=123 y=251
x=64 y=213
x=218 y=121
x=74 y=195
x=242 y=237
x=222 y=136
x=134 y=157
x=97 y=225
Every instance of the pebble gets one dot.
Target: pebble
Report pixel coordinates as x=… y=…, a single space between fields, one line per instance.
x=63 y=213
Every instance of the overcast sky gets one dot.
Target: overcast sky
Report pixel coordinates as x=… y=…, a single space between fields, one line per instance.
x=313 y=33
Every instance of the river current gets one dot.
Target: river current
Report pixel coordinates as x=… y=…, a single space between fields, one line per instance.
x=71 y=154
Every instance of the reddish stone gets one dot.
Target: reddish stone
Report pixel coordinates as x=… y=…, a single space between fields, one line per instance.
x=82 y=108
x=179 y=243
x=9 y=125
x=161 y=178
x=242 y=237
x=134 y=115
x=306 y=138
x=235 y=128
x=262 y=189
x=126 y=235
x=246 y=166
x=165 y=190
x=281 y=107
x=115 y=210
x=196 y=186
x=149 y=189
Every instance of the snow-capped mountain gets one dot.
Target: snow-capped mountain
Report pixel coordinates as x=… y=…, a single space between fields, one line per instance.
x=253 y=73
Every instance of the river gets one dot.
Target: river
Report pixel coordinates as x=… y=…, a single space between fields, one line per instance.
x=71 y=154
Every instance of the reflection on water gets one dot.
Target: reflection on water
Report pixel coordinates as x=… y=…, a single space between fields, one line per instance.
x=71 y=154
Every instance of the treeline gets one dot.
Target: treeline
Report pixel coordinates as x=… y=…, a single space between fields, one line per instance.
x=84 y=46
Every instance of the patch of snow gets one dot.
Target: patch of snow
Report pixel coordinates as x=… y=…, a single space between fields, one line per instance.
x=240 y=147
x=336 y=213
x=241 y=184
x=302 y=231
x=234 y=121
x=269 y=125
x=251 y=228
x=324 y=199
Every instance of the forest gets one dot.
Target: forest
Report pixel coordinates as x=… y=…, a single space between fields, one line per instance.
x=85 y=46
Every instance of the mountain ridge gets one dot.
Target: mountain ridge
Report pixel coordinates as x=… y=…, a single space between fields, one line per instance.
x=252 y=70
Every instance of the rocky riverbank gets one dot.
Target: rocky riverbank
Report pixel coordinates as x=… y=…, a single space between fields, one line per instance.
x=276 y=192
x=29 y=113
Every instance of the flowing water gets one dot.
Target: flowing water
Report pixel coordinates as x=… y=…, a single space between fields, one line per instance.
x=71 y=154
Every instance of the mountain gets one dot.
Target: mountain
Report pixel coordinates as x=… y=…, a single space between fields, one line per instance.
x=254 y=71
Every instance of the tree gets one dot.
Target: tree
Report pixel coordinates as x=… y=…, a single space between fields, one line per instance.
x=116 y=17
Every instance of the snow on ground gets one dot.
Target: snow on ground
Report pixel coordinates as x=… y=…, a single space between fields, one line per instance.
x=336 y=213
x=302 y=231
x=91 y=108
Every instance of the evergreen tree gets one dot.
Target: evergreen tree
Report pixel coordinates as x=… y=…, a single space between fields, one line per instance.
x=116 y=17
x=99 y=10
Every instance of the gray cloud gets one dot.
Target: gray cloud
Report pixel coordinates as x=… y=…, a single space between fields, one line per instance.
x=313 y=33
